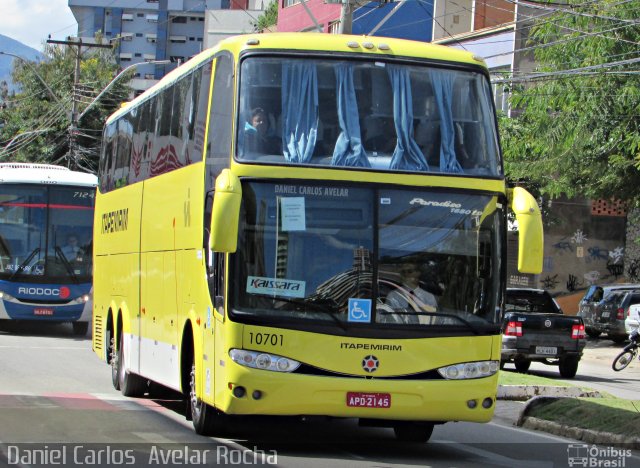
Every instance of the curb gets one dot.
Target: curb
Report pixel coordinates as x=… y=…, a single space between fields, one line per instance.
x=526 y=392
x=589 y=436
x=585 y=435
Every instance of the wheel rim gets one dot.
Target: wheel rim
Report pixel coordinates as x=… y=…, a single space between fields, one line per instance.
x=193 y=399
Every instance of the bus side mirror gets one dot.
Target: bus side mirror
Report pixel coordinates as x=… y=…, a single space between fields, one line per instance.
x=225 y=213
x=531 y=237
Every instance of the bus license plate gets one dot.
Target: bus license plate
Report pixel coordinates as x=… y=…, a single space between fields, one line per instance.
x=368 y=400
x=605 y=314
x=42 y=311
x=546 y=350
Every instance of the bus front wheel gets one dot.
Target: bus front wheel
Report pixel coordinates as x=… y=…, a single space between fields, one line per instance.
x=206 y=419
x=413 y=432
x=80 y=328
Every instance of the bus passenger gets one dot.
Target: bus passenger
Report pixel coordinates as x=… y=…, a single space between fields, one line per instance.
x=258 y=136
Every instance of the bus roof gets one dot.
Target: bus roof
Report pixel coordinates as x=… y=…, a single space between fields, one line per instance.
x=47 y=174
x=384 y=47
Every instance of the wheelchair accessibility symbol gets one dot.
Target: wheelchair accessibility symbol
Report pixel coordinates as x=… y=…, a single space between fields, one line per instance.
x=359 y=310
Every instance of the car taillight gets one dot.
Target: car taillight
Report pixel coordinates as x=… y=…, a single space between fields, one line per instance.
x=577 y=332
x=513 y=329
x=620 y=314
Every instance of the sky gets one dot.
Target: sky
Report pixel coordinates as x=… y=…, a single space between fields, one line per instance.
x=31 y=21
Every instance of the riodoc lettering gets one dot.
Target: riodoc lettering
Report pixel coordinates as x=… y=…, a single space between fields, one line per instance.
x=39 y=291
x=115 y=221
x=275 y=286
x=369 y=346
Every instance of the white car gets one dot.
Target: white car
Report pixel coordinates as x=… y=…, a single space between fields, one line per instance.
x=632 y=320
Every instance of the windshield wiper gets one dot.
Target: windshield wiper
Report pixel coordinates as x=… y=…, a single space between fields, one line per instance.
x=25 y=263
x=469 y=325
x=66 y=264
x=326 y=306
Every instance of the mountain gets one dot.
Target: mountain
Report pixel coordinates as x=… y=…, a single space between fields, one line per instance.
x=11 y=46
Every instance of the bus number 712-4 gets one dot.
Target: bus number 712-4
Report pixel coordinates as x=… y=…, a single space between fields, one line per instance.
x=83 y=195
x=265 y=338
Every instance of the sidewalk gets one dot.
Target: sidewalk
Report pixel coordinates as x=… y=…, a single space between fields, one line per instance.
x=514 y=402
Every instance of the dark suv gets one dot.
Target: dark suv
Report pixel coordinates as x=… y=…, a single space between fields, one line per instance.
x=598 y=309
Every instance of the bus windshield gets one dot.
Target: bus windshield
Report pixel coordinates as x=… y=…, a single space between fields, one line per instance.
x=308 y=253
x=367 y=115
x=46 y=234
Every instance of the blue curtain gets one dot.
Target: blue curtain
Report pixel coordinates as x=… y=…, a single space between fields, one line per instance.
x=407 y=154
x=442 y=82
x=299 y=110
x=348 y=150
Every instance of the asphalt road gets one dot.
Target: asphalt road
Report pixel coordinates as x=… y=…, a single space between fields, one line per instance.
x=57 y=404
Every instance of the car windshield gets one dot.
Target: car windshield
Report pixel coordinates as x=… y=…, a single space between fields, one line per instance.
x=310 y=254
x=366 y=115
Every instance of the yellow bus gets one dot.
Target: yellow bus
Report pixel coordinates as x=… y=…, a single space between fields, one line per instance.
x=308 y=224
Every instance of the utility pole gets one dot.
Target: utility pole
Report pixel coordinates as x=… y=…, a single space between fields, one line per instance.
x=73 y=127
x=346 y=17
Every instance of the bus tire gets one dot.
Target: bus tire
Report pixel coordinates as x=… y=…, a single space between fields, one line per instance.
x=80 y=328
x=131 y=385
x=114 y=362
x=413 y=432
x=206 y=420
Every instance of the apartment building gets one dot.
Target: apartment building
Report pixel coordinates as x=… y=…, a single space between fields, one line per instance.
x=152 y=30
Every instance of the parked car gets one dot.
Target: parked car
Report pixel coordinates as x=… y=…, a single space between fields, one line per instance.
x=611 y=316
x=593 y=301
x=632 y=321
x=535 y=329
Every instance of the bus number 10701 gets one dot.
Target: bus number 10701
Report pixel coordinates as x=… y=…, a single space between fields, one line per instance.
x=265 y=338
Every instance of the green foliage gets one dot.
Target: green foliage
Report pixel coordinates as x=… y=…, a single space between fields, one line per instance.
x=268 y=18
x=37 y=124
x=579 y=132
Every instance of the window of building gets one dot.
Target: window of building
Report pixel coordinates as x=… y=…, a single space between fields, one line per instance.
x=126 y=36
x=178 y=39
x=138 y=55
x=288 y=3
x=140 y=15
x=138 y=34
x=127 y=16
x=179 y=19
x=152 y=18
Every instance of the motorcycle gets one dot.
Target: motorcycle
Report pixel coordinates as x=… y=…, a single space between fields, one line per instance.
x=630 y=351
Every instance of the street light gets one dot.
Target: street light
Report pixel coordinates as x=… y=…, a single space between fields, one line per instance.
x=44 y=83
x=23 y=134
x=116 y=78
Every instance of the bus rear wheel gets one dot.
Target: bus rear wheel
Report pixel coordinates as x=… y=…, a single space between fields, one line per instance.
x=206 y=419
x=413 y=432
x=114 y=361
x=131 y=385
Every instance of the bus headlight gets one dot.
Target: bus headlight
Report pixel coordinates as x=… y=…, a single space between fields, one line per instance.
x=469 y=370
x=7 y=297
x=80 y=300
x=263 y=361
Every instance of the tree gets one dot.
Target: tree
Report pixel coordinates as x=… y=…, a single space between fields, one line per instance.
x=37 y=125
x=578 y=132
x=267 y=19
